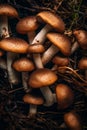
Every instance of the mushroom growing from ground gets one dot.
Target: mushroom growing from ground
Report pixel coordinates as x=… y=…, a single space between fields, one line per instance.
x=83 y=65
x=81 y=37
x=34 y=101
x=72 y=120
x=60 y=42
x=24 y=65
x=7 y=11
x=64 y=95
x=41 y=78
x=13 y=45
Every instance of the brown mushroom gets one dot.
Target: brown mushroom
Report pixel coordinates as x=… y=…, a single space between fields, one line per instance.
x=24 y=65
x=34 y=101
x=83 y=65
x=40 y=78
x=7 y=11
x=65 y=96
x=72 y=120
x=81 y=37
x=60 y=42
x=28 y=25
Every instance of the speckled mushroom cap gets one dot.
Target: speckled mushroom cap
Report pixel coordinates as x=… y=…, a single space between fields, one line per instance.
x=16 y=45
x=27 y=24
x=83 y=63
x=52 y=19
x=42 y=77
x=60 y=61
x=32 y=99
x=23 y=64
x=65 y=96
x=81 y=37
x=8 y=10
x=36 y=48
x=61 y=41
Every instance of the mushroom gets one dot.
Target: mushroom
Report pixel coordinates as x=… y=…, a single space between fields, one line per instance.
x=64 y=95
x=6 y=11
x=53 y=21
x=60 y=42
x=28 y=25
x=72 y=120
x=13 y=45
x=81 y=37
x=83 y=65
x=41 y=78
x=24 y=65
x=34 y=101
x=3 y=64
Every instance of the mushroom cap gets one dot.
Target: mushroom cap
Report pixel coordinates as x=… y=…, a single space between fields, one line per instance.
x=27 y=24
x=16 y=45
x=23 y=64
x=36 y=48
x=8 y=10
x=72 y=120
x=64 y=96
x=42 y=77
x=32 y=99
x=60 y=61
x=81 y=36
x=83 y=63
x=52 y=19
x=61 y=41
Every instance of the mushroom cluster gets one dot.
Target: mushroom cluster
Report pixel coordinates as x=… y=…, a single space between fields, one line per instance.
x=37 y=64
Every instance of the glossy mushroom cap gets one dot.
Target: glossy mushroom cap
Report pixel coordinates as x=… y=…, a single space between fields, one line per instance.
x=52 y=19
x=16 y=45
x=32 y=99
x=81 y=36
x=61 y=41
x=36 y=48
x=27 y=24
x=8 y=10
x=60 y=61
x=72 y=121
x=64 y=96
x=23 y=64
x=83 y=64
x=42 y=77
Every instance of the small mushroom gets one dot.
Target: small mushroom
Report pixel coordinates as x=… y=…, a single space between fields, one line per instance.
x=64 y=95
x=60 y=42
x=72 y=120
x=41 y=78
x=83 y=65
x=34 y=101
x=28 y=25
x=81 y=37
x=24 y=65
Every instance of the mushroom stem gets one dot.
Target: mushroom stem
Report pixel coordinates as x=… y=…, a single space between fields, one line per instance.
x=24 y=81
x=13 y=78
x=3 y=64
x=32 y=110
x=31 y=36
x=74 y=47
x=13 y=75
x=38 y=61
x=49 y=53
x=41 y=36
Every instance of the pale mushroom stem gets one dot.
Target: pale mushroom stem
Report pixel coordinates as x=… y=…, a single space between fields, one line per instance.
x=24 y=81
x=74 y=47
x=13 y=78
x=33 y=109
x=49 y=53
x=3 y=64
x=31 y=36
